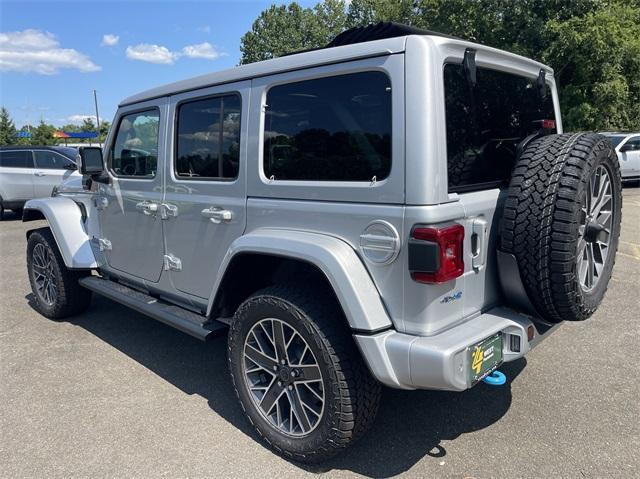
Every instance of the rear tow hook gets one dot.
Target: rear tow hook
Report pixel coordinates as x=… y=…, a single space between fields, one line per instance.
x=496 y=378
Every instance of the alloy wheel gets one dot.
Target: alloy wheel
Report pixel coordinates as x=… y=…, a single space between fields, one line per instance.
x=283 y=377
x=44 y=274
x=594 y=233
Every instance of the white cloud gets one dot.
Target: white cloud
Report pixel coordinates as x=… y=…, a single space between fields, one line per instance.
x=205 y=29
x=152 y=53
x=109 y=40
x=37 y=51
x=201 y=50
x=146 y=52
x=78 y=119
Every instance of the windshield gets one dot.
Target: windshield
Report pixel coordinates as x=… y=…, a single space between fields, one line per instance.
x=71 y=153
x=615 y=139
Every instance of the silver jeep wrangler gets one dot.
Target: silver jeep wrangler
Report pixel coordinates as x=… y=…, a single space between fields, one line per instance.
x=398 y=208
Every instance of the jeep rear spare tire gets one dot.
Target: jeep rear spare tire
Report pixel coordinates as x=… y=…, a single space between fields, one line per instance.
x=562 y=221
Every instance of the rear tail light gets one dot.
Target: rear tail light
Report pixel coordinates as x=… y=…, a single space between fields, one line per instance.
x=435 y=253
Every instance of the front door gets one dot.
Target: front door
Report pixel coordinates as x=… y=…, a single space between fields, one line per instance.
x=205 y=196
x=52 y=168
x=130 y=218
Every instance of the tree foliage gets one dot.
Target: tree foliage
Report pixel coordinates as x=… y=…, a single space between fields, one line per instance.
x=593 y=45
x=7 y=128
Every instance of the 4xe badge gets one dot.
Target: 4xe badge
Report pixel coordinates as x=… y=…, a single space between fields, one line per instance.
x=452 y=297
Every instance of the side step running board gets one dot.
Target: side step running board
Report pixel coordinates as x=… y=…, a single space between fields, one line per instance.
x=186 y=321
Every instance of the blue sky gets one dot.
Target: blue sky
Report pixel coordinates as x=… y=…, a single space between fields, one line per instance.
x=53 y=54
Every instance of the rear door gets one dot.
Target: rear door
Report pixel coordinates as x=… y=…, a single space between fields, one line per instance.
x=205 y=198
x=52 y=168
x=16 y=175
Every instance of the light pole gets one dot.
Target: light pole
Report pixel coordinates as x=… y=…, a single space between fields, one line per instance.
x=95 y=99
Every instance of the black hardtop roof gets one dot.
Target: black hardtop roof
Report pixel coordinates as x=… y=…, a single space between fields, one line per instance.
x=372 y=32
x=380 y=31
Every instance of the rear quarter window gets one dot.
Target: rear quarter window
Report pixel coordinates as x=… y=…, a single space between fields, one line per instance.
x=329 y=129
x=486 y=123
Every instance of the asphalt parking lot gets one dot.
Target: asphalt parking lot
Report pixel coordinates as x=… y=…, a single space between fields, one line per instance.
x=114 y=394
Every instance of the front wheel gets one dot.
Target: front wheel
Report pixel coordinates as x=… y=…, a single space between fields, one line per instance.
x=298 y=374
x=55 y=288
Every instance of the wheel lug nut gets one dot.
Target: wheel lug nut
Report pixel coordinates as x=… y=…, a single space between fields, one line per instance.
x=279 y=383
x=290 y=387
x=282 y=361
x=275 y=368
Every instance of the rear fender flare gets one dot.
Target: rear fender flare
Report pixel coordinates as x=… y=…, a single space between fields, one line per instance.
x=344 y=270
x=65 y=221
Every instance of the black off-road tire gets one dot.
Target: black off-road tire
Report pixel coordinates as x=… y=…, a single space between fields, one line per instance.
x=352 y=395
x=70 y=298
x=1 y=211
x=542 y=221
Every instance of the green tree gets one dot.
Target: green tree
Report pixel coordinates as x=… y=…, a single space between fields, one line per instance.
x=7 y=128
x=43 y=134
x=597 y=62
x=283 y=29
x=591 y=44
x=104 y=130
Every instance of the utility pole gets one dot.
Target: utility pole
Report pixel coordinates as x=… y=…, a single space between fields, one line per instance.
x=95 y=99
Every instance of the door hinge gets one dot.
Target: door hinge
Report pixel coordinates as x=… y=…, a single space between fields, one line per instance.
x=167 y=210
x=172 y=263
x=103 y=243
x=101 y=202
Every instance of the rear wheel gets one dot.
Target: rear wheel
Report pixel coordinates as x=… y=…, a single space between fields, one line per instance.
x=55 y=288
x=298 y=373
x=562 y=222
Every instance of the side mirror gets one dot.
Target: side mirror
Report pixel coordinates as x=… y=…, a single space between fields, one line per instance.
x=91 y=161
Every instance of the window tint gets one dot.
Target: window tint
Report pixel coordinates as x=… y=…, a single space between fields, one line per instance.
x=329 y=129
x=485 y=124
x=16 y=159
x=615 y=139
x=135 y=151
x=208 y=144
x=635 y=142
x=52 y=160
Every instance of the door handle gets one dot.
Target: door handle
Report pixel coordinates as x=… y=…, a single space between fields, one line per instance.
x=147 y=207
x=40 y=173
x=217 y=215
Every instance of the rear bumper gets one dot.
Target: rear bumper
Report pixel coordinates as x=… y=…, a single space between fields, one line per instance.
x=441 y=361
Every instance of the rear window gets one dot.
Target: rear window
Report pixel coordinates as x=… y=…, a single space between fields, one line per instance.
x=485 y=124
x=16 y=159
x=329 y=129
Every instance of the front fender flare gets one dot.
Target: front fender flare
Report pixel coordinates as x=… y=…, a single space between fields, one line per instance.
x=338 y=261
x=65 y=221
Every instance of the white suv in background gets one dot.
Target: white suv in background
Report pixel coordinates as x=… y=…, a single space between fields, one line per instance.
x=627 y=147
x=32 y=172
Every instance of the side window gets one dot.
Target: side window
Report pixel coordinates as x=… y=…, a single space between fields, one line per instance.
x=135 y=150
x=52 y=160
x=329 y=129
x=208 y=142
x=635 y=142
x=486 y=123
x=16 y=159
